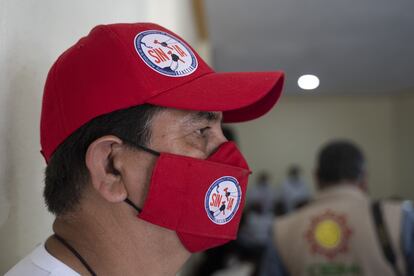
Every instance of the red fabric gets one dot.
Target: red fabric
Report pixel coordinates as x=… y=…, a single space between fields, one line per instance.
x=176 y=197
x=103 y=72
x=242 y=96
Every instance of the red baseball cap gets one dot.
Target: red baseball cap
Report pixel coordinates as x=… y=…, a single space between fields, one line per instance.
x=123 y=65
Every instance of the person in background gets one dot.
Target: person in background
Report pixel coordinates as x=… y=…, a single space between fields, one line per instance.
x=343 y=231
x=295 y=192
x=263 y=193
x=256 y=230
x=230 y=134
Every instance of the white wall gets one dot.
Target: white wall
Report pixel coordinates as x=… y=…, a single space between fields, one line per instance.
x=32 y=35
x=298 y=126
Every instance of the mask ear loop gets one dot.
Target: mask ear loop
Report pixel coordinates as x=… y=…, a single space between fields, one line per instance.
x=127 y=200
x=151 y=151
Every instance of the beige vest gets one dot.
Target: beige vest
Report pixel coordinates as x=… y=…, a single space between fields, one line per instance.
x=335 y=235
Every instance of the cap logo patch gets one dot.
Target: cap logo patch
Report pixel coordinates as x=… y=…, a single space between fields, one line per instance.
x=222 y=200
x=165 y=53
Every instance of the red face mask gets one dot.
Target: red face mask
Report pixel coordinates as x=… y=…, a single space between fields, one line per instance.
x=202 y=200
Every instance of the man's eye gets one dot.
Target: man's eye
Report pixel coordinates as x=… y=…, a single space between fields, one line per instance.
x=202 y=131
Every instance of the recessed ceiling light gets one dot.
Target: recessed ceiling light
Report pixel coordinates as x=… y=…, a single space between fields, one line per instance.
x=308 y=82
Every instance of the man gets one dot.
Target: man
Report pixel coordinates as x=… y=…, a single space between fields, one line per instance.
x=263 y=193
x=342 y=232
x=295 y=192
x=137 y=161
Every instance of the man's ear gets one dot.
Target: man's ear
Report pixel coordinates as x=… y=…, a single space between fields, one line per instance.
x=104 y=177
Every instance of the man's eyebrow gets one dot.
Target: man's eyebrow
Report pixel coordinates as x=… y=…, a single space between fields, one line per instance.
x=205 y=115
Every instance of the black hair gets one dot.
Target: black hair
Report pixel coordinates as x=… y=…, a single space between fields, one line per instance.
x=263 y=177
x=66 y=174
x=339 y=161
x=294 y=171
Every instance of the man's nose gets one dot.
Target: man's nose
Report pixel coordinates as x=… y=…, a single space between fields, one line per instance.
x=218 y=139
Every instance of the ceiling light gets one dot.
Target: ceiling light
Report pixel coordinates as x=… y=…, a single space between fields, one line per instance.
x=308 y=82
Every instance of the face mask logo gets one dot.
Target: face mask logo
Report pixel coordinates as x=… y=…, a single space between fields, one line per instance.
x=165 y=53
x=223 y=200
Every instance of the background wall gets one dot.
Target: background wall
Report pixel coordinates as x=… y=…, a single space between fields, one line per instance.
x=32 y=35
x=294 y=131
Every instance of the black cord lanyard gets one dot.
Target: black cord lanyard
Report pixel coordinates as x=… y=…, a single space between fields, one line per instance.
x=77 y=255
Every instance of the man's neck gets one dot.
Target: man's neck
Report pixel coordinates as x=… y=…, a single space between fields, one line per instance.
x=117 y=244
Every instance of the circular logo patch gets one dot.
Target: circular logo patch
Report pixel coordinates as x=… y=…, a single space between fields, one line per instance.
x=165 y=53
x=329 y=234
x=223 y=199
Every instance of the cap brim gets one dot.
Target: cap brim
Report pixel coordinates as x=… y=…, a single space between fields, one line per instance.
x=241 y=96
